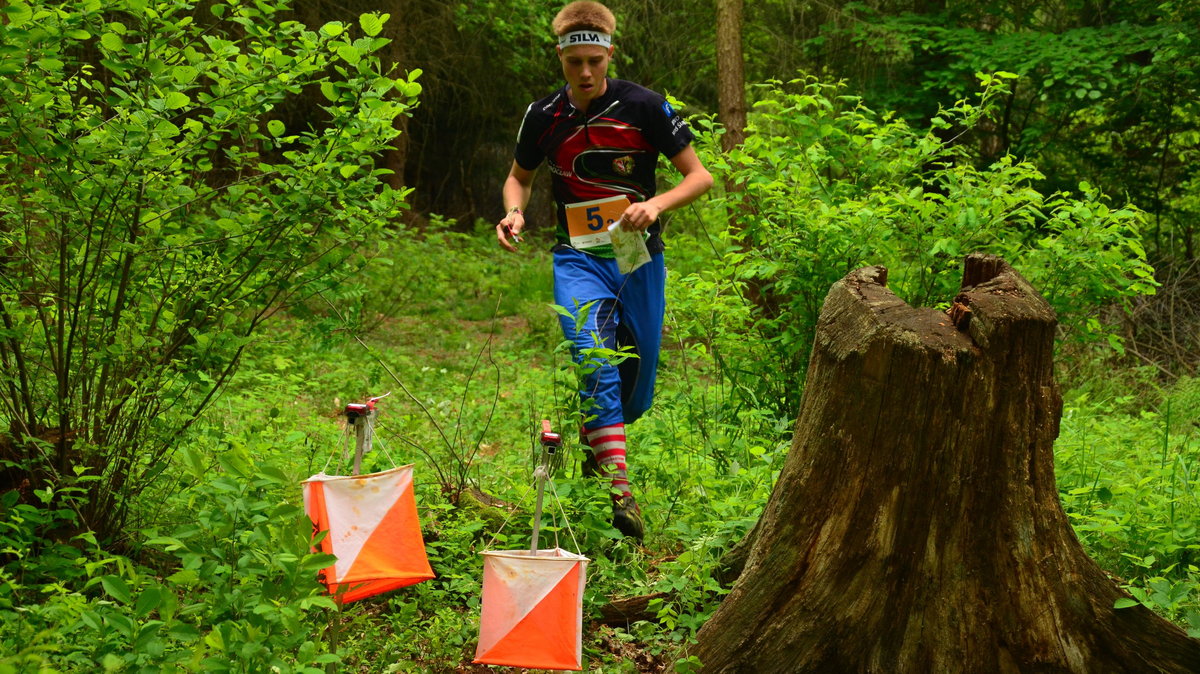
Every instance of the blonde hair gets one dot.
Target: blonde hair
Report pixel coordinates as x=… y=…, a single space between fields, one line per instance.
x=584 y=15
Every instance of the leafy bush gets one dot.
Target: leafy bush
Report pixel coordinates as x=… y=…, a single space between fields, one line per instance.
x=1104 y=98
x=154 y=212
x=236 y=591
x=824 y=185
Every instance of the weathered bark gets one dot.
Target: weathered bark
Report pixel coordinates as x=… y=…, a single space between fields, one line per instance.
x=731 y=107
x=916 y=526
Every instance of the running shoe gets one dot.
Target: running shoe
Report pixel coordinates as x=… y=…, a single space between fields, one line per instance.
x=627 y=518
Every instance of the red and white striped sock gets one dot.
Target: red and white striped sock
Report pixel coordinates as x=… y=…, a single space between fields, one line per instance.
x=608 y=444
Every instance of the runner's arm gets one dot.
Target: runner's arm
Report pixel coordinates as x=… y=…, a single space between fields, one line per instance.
x=516 y=193
x=696 y=181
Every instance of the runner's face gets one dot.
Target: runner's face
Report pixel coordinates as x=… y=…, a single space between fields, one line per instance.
x=585 y=67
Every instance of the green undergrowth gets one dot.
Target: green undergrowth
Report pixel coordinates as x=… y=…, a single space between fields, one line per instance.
x=1128 y=468
x=219 y=561
x=218 y=568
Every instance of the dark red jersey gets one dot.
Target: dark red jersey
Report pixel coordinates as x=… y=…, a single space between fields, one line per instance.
x=610 y=151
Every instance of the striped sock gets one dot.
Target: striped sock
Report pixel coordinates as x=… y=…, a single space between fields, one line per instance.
x=608 y=444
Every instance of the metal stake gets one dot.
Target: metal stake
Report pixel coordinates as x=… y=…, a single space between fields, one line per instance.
x=362 y=417
x=363 y=430
x=551 y=441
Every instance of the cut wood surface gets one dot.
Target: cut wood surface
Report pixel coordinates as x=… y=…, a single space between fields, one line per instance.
x=624 y=611
x=916 y=525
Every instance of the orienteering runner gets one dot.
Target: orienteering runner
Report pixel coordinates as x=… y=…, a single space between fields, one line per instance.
x=601 y=138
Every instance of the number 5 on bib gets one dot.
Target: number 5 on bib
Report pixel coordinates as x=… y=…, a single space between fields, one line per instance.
x=588 y=221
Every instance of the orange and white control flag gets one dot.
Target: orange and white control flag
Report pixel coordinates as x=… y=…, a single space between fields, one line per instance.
x=532 y=612
x=373 y=531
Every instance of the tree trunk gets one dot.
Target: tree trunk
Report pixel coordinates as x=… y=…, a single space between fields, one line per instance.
x=731 y=76
x=398 y=31
x=916 y=526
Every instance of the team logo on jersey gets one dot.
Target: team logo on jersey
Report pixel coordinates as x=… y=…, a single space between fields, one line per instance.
x=623 y=165
x=668 y=110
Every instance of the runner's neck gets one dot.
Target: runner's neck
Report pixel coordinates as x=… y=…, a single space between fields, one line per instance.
x=584 y=107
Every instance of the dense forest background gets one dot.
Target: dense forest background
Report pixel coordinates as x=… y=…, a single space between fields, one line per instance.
x=221 y=221
x=1105 y=90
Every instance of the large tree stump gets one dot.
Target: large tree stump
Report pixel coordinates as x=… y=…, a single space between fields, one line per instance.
x=916 y=526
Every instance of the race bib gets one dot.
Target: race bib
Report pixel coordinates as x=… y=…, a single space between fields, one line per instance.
x=588 y=221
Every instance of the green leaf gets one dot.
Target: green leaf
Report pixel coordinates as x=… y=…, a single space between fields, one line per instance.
x=371 y=24
x=166 y=129
x=215 y=639
x=165 y=541
x=185 y=577
x=276 y=128
x=183 y=632
x=147 y=601
x=168 y=604
x=112 y=42
x=316 y=562
x=349 y=53
x=322 y=601
x=147 y=635
x=347 y=170
x=275 y=474
x=184 y=74
x=177 y=99
x=116 y=588
x=194 y=462
x=1125 y=602
x=18 y=13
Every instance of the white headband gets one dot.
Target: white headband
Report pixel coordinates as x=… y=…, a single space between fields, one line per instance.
x=585 y=37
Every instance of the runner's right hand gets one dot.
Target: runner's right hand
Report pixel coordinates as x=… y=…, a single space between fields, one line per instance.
x=509 y=229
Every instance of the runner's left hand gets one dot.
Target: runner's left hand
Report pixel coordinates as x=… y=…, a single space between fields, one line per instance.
x=640 y=216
